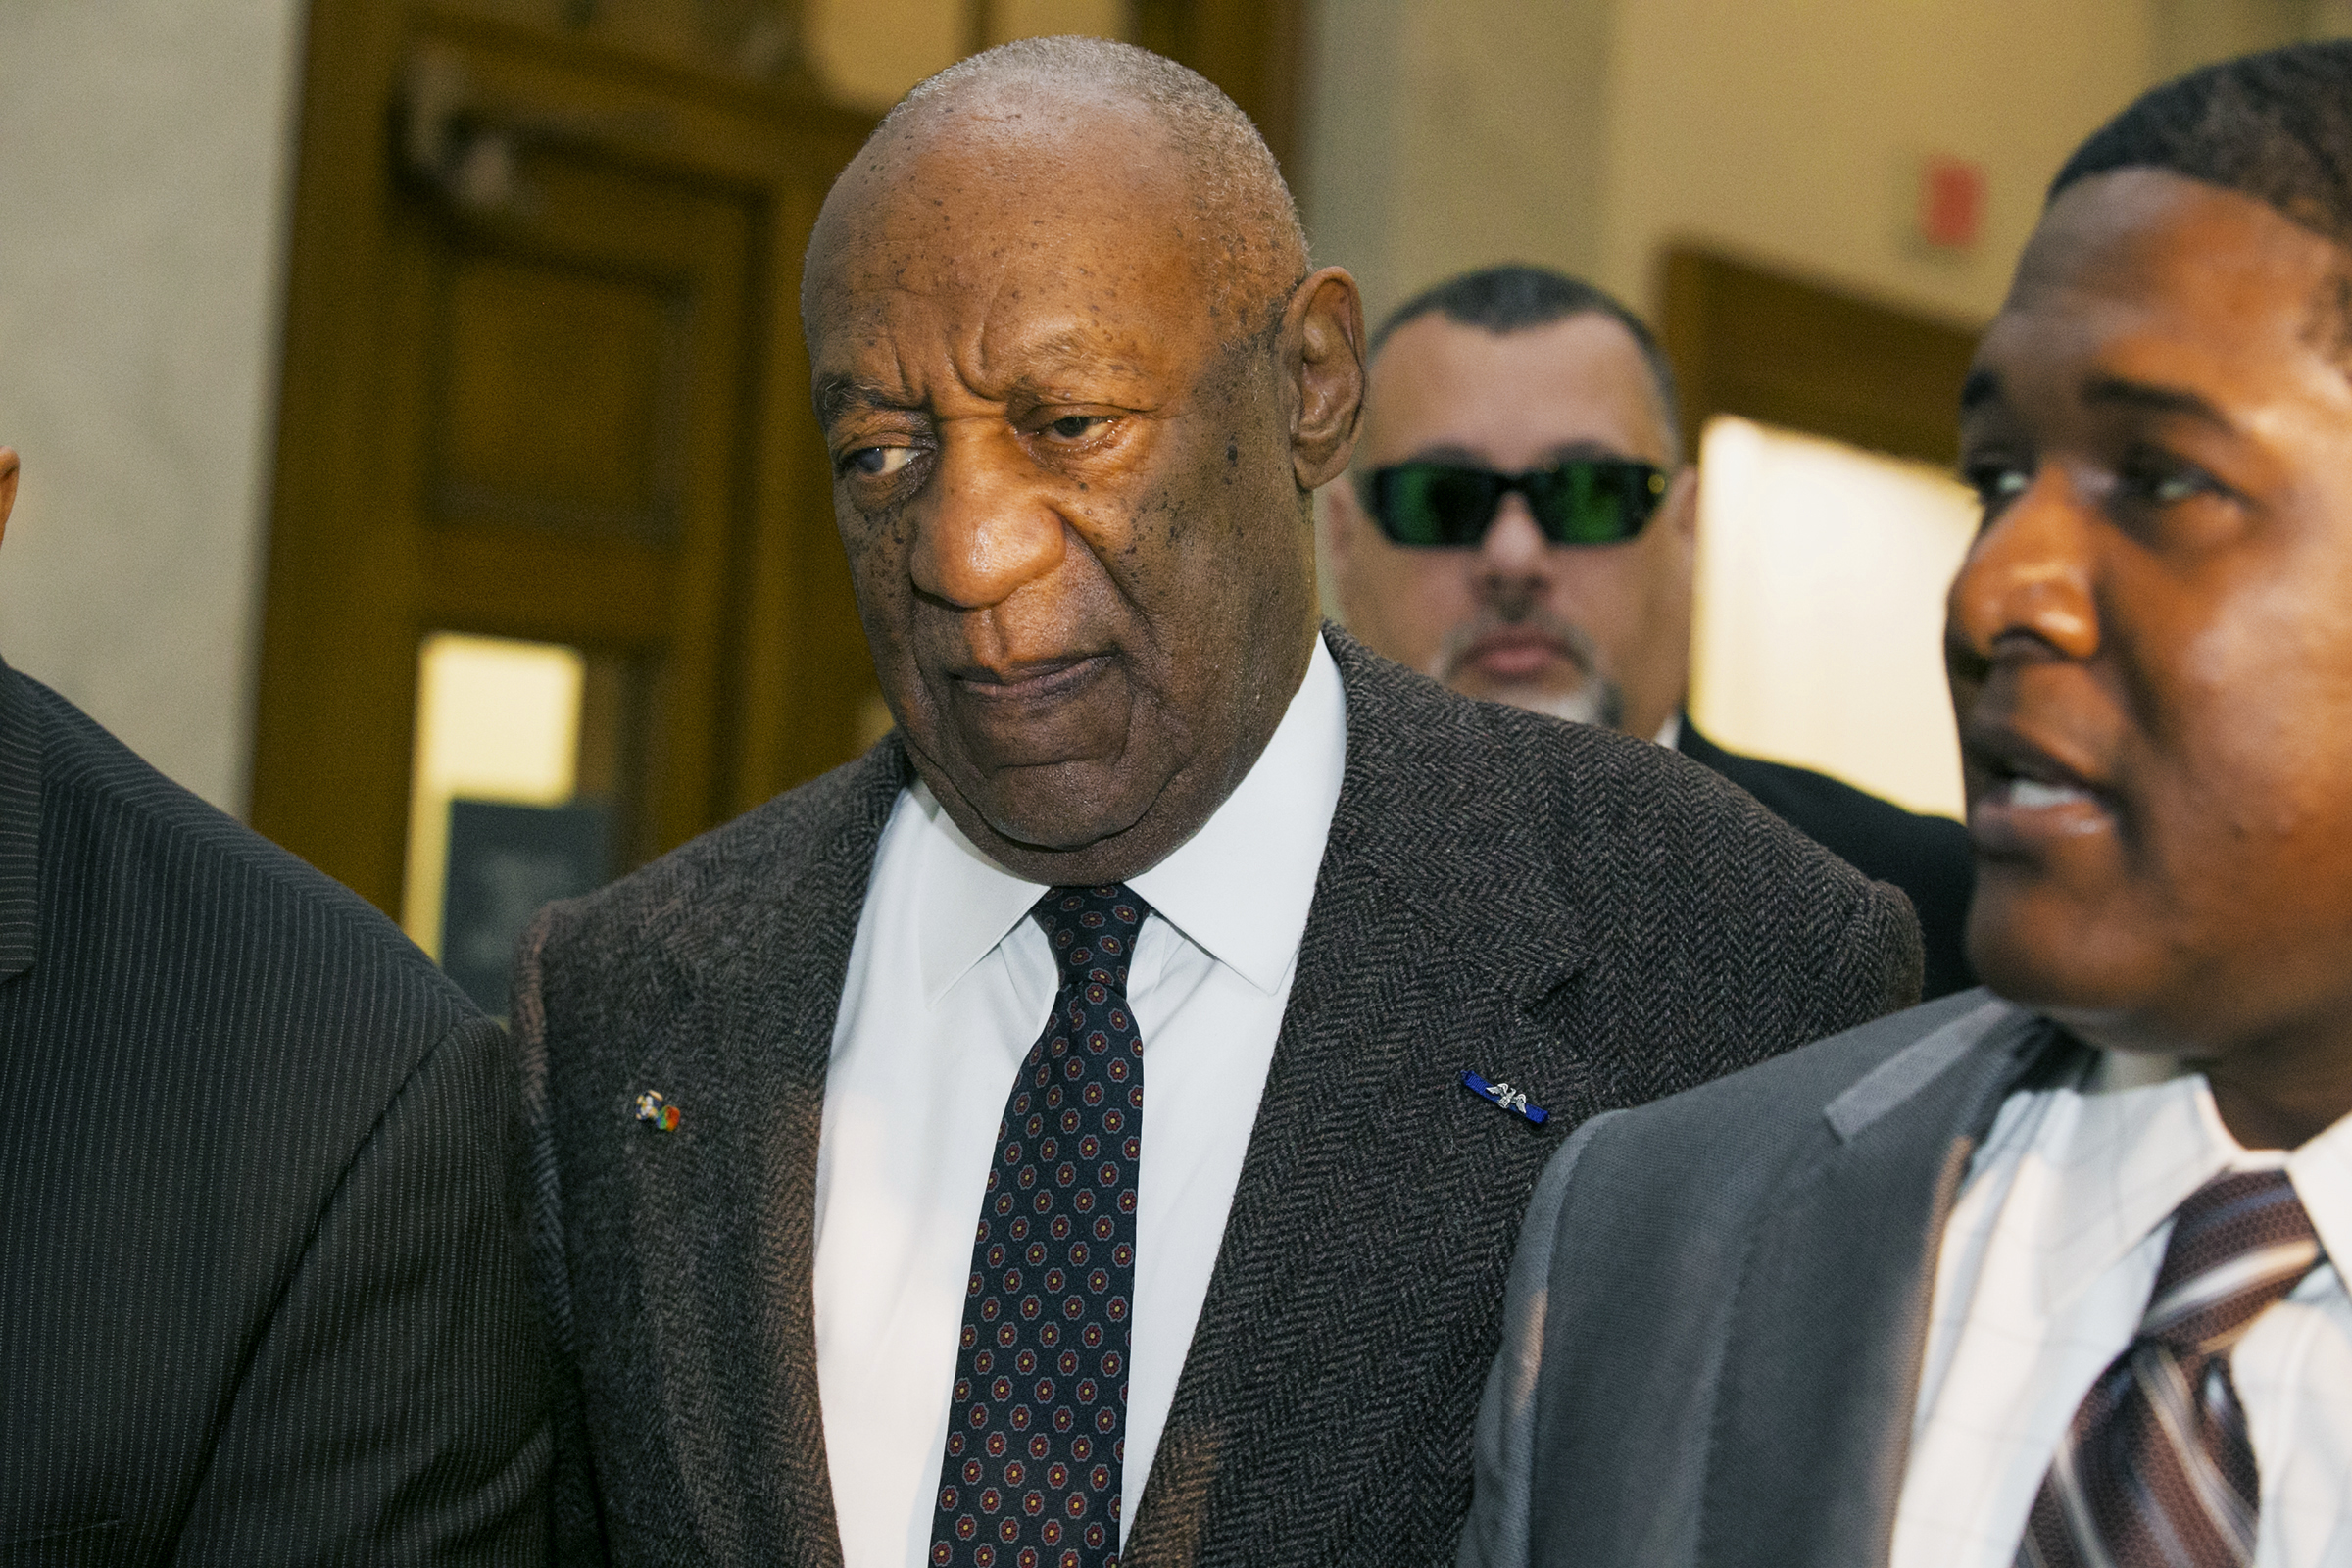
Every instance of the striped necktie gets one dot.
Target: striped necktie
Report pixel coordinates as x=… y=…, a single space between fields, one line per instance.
x=1037 y=1429
x=2156 y=1469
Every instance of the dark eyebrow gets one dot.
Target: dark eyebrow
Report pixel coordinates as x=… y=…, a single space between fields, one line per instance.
x=2113 y=391
x=839 y=394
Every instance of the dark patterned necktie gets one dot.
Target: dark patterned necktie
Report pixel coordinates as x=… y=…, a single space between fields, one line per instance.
x=1037 y=1429
x=2156 y=1469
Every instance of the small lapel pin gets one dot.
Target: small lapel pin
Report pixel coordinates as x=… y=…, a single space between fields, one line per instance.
x=665 y=1118
x=1506 y=1095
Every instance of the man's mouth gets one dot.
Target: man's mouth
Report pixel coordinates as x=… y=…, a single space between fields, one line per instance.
x=1029 y=680
x=2029 y=794
x=1517 y=653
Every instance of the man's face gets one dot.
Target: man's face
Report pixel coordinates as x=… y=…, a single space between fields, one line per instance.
x=2150 y=643
x=1068 y=476
x=1584 y=632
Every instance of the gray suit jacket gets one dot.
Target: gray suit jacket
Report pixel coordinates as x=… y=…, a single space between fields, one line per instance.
x=1595 y=919
x=1714 y=1326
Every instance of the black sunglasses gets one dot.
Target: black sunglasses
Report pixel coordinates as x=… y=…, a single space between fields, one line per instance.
x=1591 y=501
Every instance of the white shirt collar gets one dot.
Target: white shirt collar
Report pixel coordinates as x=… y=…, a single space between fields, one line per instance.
x=1239 y=888
x=2137 y=1140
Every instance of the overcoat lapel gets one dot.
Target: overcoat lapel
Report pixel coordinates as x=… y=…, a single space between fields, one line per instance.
x=729 y=1199
x=1822 y=1362
x=1333 y=1233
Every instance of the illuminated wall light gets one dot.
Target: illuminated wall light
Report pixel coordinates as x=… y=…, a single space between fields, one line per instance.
x=497 y=719
x=1818 y=629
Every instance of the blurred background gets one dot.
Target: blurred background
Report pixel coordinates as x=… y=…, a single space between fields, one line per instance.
x=418 y=460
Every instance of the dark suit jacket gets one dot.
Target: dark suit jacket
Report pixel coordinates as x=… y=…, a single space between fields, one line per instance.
x=1927 y=857
x=262 y=1299
x=1590 y=917
x=1715 y=1324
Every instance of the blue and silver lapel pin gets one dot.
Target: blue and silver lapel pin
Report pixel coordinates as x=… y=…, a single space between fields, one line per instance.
x=1506 y=1095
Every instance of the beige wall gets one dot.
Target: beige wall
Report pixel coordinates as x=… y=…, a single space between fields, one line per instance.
x=1791 y=130
x=144 y=153
x=1440 y=136
x=1447 y=135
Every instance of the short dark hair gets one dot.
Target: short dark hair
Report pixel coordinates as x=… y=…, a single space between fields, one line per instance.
x=2276 y=126
x=1515 y=297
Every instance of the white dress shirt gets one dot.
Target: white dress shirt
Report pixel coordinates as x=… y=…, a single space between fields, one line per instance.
x=948 y=985
x=2044 y=1272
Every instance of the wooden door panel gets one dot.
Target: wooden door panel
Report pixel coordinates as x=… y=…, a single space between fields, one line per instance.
x=558 y=397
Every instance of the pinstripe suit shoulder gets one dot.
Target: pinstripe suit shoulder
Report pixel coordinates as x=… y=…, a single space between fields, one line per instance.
x=1596 y=920
x=264 y=1297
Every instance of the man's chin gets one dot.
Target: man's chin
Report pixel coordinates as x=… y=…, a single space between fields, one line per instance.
x=1593 y=702
x=1060 y=807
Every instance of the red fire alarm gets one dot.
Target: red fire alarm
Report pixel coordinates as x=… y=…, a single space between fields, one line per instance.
x=1951 y=202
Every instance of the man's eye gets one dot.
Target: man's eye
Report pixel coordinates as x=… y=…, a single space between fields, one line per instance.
x=1996 y=483
x=1071 y=426
x=880 y=461
x=2162 y=482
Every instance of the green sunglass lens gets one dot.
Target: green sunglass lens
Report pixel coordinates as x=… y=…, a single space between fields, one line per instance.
x=1431 y=503
x=1594 y=502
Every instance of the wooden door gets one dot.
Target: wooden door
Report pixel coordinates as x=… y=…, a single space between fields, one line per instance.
x=543 y=379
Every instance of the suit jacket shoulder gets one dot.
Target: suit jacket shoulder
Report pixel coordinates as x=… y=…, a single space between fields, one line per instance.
x=1755 y=1255
x=1927 y=857
x=258 y=1103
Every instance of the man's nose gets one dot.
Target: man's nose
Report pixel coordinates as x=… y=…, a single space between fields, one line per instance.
x=2027 y=584
x=1513 y=552
x=990 y=529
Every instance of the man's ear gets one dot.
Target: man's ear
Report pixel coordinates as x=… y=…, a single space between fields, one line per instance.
x=1323 y=337
x=8 y=484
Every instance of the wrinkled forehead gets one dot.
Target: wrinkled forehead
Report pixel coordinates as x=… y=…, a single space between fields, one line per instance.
x=1004 y=220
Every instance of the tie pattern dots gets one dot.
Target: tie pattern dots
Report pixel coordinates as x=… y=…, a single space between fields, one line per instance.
x=2156 y=1468
x=1037 y=1429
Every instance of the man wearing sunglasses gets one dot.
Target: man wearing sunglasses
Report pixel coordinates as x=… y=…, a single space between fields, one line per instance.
x=1520 y=524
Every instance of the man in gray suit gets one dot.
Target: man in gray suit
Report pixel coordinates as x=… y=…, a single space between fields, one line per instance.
x=855 y=1244
x=2042 y=1276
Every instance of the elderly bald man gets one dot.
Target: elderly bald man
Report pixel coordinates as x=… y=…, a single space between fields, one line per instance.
x=1090 y=1127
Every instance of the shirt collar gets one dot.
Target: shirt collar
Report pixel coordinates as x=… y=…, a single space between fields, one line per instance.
x=2321 y=1171
x=2142 y=1135
x=1238 y=889
x=1241 y=887
x=2119 y=1152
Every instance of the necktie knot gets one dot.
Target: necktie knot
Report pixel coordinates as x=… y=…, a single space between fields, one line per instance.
x=2239 y=1243
x=1093 y=931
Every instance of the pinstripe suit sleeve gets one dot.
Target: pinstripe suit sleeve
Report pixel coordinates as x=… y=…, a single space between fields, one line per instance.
x=1503 y=1442
x=393 y=1409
